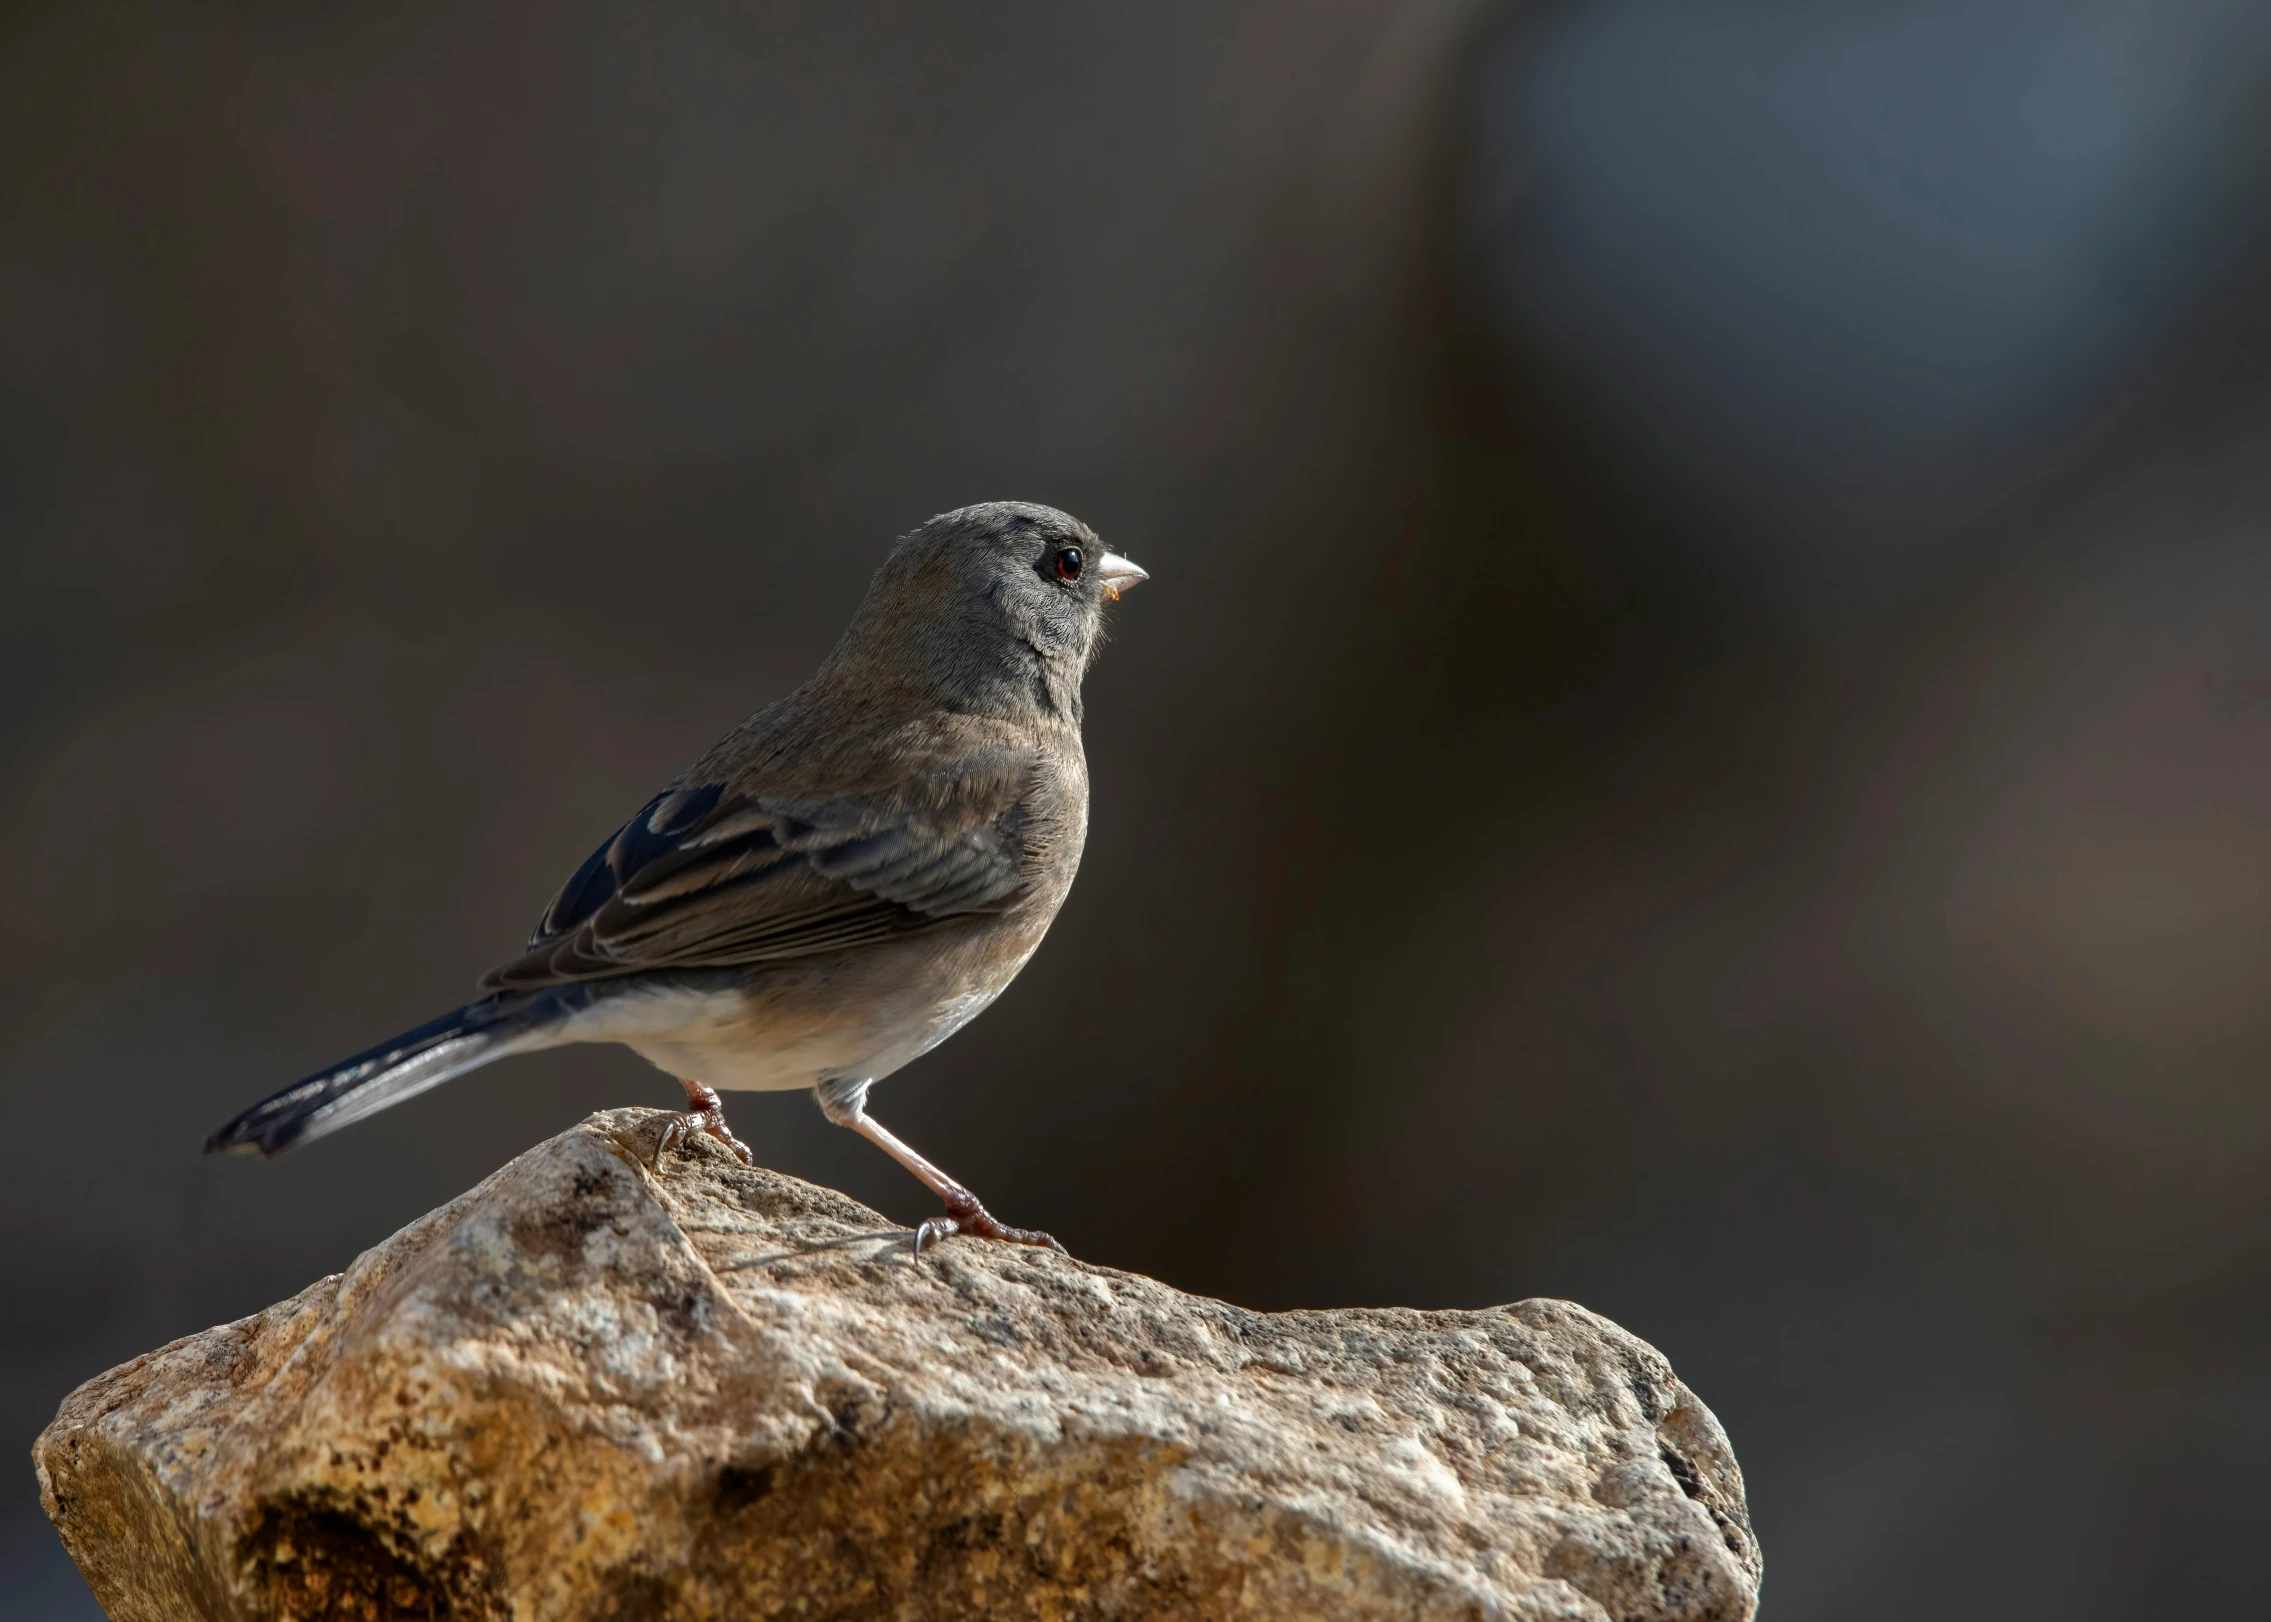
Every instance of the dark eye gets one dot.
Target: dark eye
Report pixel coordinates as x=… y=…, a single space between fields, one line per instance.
x=1069 y=561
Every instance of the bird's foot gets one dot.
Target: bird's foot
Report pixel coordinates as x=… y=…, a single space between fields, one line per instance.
x=684 y=1128
x=707 y=1115
x=965 y=1215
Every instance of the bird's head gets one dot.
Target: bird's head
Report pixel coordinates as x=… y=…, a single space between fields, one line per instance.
x=990 y=608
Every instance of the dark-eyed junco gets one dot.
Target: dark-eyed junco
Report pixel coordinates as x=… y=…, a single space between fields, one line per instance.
x=843 y=882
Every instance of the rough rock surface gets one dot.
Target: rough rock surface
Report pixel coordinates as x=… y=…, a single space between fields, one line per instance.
x=588 y=1390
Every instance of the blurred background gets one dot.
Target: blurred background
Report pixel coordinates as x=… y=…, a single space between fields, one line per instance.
x=1700 y=741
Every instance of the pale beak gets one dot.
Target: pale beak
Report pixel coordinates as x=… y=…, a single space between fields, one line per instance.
x=1118 y=574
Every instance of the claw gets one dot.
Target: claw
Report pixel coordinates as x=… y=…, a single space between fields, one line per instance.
x=707 y=1115
x=719 y=1130
x=966 y=1215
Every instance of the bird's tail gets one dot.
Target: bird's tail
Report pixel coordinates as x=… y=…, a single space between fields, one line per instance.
x=438 y=1051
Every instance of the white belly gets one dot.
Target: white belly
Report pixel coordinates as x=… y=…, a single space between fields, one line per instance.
x=796 y=1030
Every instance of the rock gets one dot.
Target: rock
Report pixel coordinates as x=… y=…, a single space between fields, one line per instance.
x=588 y=1390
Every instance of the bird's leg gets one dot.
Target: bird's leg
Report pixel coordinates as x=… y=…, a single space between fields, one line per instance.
x=847 y=1106
x=704 y=1113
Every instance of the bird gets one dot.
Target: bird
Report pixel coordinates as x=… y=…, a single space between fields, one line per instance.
x=837 y=886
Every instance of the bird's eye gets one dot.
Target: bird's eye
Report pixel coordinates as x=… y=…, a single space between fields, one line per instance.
x=1069 y=561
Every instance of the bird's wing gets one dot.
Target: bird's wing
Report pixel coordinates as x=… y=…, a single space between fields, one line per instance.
x=717 y=874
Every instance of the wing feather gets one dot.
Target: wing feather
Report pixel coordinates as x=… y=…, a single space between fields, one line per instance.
x=711 y=875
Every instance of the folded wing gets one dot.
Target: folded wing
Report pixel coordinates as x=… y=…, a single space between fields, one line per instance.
x=709 y=875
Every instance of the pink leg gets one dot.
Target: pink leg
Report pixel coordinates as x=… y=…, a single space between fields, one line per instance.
x=963 y=1212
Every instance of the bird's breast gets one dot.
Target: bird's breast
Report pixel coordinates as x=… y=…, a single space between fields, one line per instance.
x=862 y=1013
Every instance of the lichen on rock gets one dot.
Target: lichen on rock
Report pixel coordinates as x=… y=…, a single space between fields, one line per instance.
x=592 y=1389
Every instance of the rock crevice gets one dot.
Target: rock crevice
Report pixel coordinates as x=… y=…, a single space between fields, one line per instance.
x=591 y=1389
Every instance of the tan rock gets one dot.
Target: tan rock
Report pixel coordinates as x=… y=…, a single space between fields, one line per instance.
x=584 y=1390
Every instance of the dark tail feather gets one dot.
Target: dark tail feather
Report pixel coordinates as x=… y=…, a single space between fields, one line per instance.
x=438 y=1051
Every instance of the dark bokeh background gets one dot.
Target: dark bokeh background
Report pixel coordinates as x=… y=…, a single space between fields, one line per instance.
x=1701 y=740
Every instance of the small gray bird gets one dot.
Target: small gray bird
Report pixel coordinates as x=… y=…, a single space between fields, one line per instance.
x=843 y=882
